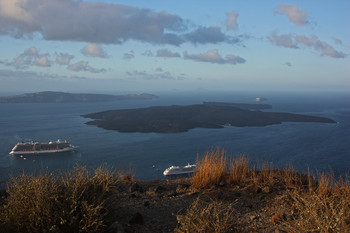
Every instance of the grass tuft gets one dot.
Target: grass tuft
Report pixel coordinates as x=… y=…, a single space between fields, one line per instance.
x=212 y=169
x=206 y=217
x=72 y=202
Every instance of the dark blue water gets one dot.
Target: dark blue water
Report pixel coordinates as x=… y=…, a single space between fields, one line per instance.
x=321 y=146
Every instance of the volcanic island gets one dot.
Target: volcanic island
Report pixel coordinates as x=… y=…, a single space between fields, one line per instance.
x=181 y=118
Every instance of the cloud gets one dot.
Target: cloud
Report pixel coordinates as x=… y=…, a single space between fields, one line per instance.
x=337 y=41
x=95 y=22
x=159 y=75
x=93 y=50
x=285 y=40
x=30 y=57
x=42 y=61
x=204 y=35
x=293 y=13
x=231 y=20
x=298 y=41
x=64 y=58
x=84 y=66
x=128 y=56
x=166 y=53
x=148 y=53
x=323 y=47
x=213 y=56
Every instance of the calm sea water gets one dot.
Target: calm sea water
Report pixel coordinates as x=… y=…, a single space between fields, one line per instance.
x=323 y=147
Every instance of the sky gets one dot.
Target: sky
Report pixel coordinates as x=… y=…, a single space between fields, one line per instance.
x=155 y=45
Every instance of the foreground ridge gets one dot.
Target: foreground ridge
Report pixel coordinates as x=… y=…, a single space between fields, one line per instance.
x=228 y=194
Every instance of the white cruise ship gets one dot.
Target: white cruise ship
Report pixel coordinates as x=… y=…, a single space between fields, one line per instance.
x=179 y=170
x=23 y=148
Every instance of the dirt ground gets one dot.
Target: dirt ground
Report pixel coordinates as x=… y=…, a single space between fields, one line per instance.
x=152 y=206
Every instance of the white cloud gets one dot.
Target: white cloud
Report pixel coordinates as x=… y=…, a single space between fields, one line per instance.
x=213 y=56
x=231 y=20
x=42 y=61
x=293 y=13
x=321 y=46
x=94 y=50
x=64 y=58
x=30 y=57
x=298 y=41
x=166 y=53
x=84 y=66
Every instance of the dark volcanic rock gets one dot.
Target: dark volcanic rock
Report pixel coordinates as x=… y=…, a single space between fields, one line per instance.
x=171 y=119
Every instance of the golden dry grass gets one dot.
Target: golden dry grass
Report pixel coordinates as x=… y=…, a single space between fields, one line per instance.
x=73 y=202
x=326 y=208
x=239 y=169
x=212 y=169
x=203 y=217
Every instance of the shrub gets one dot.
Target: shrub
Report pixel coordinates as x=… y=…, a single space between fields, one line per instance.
x=73 y=202
x=212 y=169
x=239 y=169
x=326 y=208
x=206 y=217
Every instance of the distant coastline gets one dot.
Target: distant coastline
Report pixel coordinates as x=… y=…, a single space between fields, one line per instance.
x=173 y=119
x=63 y=97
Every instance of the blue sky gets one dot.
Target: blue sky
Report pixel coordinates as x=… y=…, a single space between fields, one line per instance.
x=142 y=46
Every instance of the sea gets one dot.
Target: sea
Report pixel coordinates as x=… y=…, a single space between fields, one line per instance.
x=317 y=147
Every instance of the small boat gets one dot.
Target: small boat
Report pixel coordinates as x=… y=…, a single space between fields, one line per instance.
x=22 y=148
x=179 y=170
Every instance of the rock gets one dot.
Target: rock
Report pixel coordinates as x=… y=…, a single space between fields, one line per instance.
x=136 y=219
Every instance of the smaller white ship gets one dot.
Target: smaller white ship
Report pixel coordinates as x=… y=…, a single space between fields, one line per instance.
x=22 y=148
x=180 y=170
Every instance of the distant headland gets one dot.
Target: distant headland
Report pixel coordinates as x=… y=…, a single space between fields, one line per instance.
x=171 y=119
x=62 y=97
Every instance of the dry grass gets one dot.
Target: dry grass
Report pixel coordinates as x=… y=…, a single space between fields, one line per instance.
x=319 y=203
x=239 y=169
x=207 y=217
x=212 y=169
x=73 y=202
x=325 y=209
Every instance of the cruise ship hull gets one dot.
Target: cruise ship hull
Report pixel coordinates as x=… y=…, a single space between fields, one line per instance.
x=41 y=151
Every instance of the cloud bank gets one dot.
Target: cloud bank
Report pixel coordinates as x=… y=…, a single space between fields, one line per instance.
x=99 y=22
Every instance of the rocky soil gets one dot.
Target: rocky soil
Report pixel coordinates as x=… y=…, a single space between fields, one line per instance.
x=152 y=206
